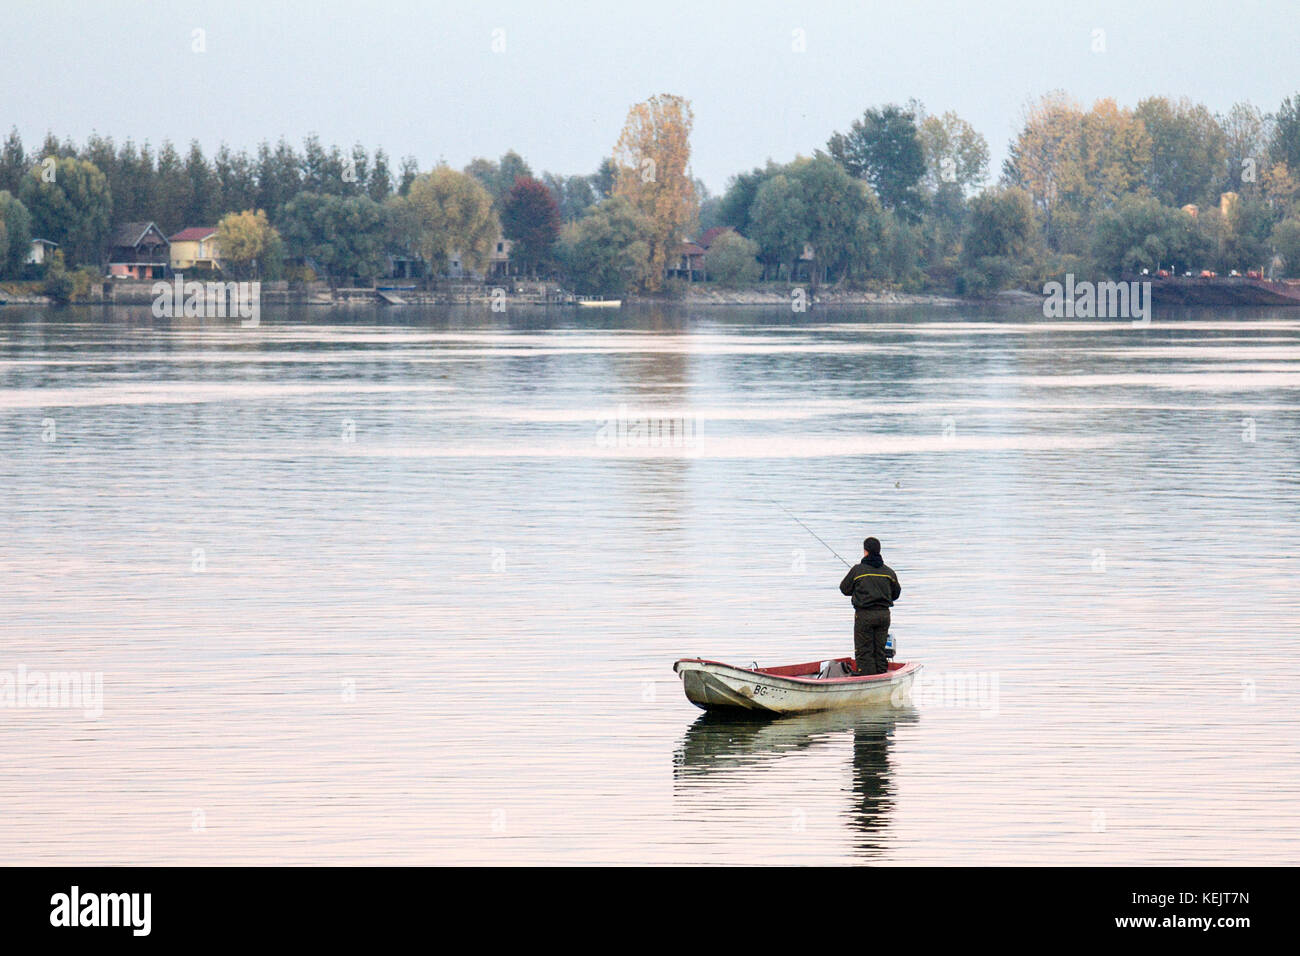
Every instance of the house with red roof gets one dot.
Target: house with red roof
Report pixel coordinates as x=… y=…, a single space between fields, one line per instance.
x=706 y=240
x=689 y=264
x=195 y=249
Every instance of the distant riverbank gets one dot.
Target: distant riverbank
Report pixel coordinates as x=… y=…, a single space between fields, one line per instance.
x=511 y=293
x=751 y=297
x=507 y=293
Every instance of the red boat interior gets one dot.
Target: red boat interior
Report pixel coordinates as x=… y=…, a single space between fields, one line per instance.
x=814 y=668
x=836 y=669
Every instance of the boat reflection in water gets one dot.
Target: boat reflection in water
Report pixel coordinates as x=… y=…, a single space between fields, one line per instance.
x=724 y=749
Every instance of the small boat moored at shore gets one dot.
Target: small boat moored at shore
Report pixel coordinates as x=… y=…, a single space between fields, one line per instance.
x=793 y=688
x=600 y=303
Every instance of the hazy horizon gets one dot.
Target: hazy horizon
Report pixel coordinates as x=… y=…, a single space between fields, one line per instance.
x=422 y=78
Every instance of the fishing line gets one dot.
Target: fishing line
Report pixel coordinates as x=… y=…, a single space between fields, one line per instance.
x=809 y=530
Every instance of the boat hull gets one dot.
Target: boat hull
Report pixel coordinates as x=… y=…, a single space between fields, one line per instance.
x=794 y=689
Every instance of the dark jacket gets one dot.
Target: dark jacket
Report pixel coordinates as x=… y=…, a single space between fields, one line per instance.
x=872 y=584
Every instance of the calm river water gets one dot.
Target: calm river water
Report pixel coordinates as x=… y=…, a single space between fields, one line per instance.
x=404 y=586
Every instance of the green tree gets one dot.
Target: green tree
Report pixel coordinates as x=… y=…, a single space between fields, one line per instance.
x=510 y=169
x=279 y=177
x=605 y=252
x=1246 y=133
x=1286 y=240
x=401 y=227
x=379 y=181
x=884 y=148
x=1140 y=232
x=407 y=173
x=171 y=195
x=101 y=152
x=732 y=260
x=498 y=177
x=58 y=283
x=454 y=214
x=1250 y=222
x=16 y=224
x=133 y=184
x=900 y=245
x=778 y=222
x=1285 y=143
x=322 y=169
x=708 y=215
x=13 y=162
x=1189 y=151
x=604 y=179
x=840 y=210
x=942 y=227
x=573 y=195
x=956 y=154
x=235 y=181
x=737 y=202
x=201 y=189
x=997 y=240
x=813 y=204
x=343 y=236
x=356 y=171
x=73 y=208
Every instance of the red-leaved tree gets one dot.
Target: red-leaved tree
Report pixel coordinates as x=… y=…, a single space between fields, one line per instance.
x=530 y=219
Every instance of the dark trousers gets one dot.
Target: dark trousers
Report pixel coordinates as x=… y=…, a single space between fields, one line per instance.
x=870 y=628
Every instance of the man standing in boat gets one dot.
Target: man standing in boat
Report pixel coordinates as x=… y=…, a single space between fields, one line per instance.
x=874 y=587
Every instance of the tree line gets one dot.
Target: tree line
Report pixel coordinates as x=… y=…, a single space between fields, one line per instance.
x=345 y=212
x=899 y=198
x=902 y=197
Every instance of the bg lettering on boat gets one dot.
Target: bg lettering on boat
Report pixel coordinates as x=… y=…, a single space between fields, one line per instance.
x=208 y=300
x=972 y=691
x=67 y=690
x=76 y=909
x=625 y=430
x=1097 y=300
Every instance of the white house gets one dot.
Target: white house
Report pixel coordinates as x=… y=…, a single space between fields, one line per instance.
x=41 y=250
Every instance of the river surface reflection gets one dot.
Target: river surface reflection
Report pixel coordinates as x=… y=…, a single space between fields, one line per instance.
x=406 y=586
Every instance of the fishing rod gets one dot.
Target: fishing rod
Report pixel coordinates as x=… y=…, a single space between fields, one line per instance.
x=809 y=530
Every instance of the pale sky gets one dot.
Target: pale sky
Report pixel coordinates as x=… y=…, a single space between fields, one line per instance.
x=423 y=79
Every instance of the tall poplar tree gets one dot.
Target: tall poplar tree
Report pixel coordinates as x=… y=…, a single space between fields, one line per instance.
x=653 y=173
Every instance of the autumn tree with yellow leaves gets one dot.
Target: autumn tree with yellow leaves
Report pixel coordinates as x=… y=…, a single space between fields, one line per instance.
x=1044 y=160
x=652 y=159
x=249 y=245
x=1074 y=162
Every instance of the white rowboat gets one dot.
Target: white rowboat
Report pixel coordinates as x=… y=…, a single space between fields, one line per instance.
x=792 y=689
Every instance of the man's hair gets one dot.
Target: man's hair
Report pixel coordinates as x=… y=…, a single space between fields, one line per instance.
x=871 y=546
